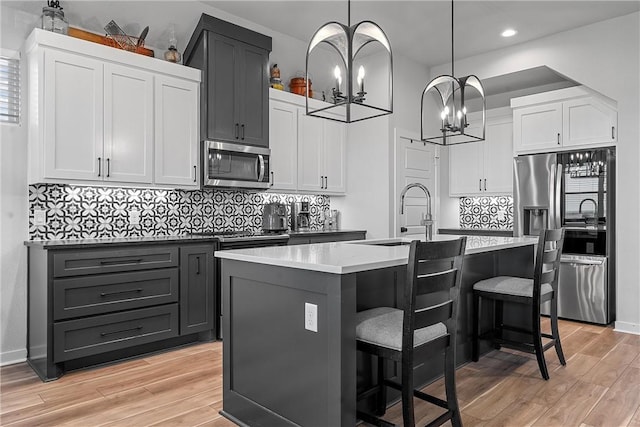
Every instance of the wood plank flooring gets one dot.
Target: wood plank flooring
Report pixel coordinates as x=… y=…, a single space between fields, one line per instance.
x=600 y=386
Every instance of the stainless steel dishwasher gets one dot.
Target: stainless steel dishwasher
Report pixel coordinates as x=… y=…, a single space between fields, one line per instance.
x=583 y=289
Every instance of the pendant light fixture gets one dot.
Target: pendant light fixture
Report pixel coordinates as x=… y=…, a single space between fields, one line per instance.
x=355 y=53
x=452 y=110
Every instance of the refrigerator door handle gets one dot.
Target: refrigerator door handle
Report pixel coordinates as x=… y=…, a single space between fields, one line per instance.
x=556 y=195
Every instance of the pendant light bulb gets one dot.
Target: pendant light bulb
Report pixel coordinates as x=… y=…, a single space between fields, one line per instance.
x=360 y=74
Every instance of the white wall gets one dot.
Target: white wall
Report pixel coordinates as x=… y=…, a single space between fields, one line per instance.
x=605 y=57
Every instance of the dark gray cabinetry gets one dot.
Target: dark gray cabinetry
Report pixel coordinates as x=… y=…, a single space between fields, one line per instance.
x=323 y=237
x=196 y=289
x=235 y=82
x=99 y=304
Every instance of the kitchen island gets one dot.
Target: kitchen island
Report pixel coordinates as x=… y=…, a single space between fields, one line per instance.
x=289 y=321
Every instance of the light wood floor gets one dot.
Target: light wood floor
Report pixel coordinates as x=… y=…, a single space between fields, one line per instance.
x=600 y=386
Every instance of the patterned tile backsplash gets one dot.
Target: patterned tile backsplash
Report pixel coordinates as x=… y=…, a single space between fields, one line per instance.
x=487 y=212
x=75 y=212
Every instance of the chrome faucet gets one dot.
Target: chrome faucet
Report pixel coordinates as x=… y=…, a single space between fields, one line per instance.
x=427 y=221
x=595 y=205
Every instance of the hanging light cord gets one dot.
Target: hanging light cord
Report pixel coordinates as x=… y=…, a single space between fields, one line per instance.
x=452 y=58
x=349 y=13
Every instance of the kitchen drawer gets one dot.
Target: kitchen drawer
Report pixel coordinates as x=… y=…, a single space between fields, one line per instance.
x=76 y=263
x=98 y=334
x=86 y=296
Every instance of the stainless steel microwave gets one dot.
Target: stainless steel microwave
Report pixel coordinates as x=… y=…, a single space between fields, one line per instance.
x=234 y=165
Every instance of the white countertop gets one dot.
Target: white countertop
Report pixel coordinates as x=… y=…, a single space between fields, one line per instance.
x=359 y=255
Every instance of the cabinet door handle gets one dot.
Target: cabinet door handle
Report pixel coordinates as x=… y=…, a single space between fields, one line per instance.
x=195 y=173
x=104 y=334
x=242 y=132
x=108 y=167
x=485 y=184
x=99 y=166
x=273 y=180
x=237 y=130
x=321 y=181
x=121 y=261
x=326 y=182
x=108 y=294
x=613 y=135
x=558 y=138
x=197 y=265
x=480 y=184
x=403 y=229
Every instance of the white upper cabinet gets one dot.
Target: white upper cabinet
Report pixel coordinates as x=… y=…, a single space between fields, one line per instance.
x=128 y=124
x=103 y=115
x=307 y=153
x=484 y=167
x=573 y=118
x=176 y=131
x=69 y=117
x=283 y=141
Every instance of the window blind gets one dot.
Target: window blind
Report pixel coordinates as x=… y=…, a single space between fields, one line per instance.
x=9 y=90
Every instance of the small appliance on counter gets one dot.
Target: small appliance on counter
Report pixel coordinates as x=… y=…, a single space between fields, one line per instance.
x=274 y=218
x=299 y=216
x=331 y=219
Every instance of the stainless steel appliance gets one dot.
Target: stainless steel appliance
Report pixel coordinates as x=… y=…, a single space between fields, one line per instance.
x=575 y=190
x=300 y=216
x=234 y=165
x=274 y=217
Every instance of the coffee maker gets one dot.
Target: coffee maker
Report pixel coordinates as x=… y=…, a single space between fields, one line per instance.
x=300 y=216
x=274 y=218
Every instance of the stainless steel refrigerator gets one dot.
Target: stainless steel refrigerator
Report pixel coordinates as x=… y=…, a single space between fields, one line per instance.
x=574 y=190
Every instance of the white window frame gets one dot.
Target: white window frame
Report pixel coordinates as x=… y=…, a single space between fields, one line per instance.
x=16 y=98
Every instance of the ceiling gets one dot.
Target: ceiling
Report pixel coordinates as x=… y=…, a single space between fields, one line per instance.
x=421 y=29
x=418 y=29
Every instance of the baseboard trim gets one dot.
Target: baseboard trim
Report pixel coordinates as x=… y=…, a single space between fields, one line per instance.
x=627 y=327
x=13 y=357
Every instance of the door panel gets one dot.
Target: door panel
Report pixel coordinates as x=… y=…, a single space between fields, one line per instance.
x=72 y=116
x=222 y=89
x=334 y=156
x=310 y=156
x=254 y=104
x=283 y=141
x=128 y=124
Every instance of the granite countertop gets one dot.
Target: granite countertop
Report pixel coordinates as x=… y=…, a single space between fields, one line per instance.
x=97 y=242
x=360 y=255
x=182 y=238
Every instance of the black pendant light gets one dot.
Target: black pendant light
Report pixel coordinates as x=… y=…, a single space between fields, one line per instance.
x=351 y=51
x=452 y=110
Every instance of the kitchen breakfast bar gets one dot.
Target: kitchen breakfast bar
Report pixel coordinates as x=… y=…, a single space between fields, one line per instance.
x=289 y=322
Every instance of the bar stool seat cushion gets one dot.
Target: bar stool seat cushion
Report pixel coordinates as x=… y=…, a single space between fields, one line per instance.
x=511 y=286
x=382 y=326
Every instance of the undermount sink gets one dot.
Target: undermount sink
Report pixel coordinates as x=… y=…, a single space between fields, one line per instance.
x=394 y=243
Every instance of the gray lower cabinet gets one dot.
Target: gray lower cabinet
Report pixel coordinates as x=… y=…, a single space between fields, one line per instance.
x=324 y=237
x=99 y=304
x=197 y=290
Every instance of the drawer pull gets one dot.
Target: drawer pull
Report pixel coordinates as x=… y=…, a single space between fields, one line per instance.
x=104 y=334
x=108 y=294
x=121 y=261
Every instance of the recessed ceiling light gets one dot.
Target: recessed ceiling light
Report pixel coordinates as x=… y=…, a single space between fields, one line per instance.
x=509 y=32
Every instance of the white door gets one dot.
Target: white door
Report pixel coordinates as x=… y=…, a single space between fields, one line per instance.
x=334 y=157
x=283 y=141
x=588 y=121
x=128 y=124
x=72 y=116
x=537 y=128
x=415 y=161
x=310 y=153
x=176 y=132
x=498 y=156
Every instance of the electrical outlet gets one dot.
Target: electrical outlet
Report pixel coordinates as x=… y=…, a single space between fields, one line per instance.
x=310 y=317
x=134 y=217
x=39 y=217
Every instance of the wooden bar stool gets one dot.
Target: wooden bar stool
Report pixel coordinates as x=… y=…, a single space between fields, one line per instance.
x=434 y=269
x=529 y=292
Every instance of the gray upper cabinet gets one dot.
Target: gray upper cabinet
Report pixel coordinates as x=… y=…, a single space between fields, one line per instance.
x=235 y=82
